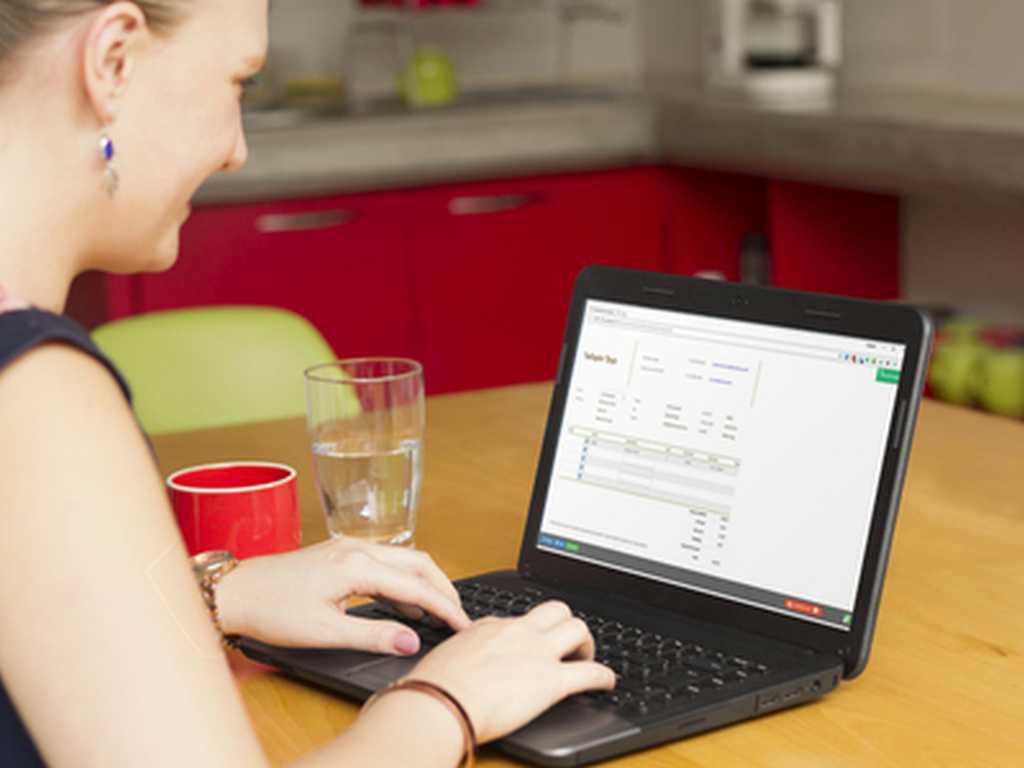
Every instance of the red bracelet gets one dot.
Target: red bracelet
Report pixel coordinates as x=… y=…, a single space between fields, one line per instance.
x=440 y=694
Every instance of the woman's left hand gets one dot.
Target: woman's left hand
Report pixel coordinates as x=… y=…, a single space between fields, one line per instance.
x=299 y=598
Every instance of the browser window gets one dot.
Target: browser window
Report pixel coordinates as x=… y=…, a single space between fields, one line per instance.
x=738 y=459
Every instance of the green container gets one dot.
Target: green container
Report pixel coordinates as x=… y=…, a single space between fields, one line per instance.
x=429 y=78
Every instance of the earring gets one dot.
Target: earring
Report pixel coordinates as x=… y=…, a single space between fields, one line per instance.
x=110 y=178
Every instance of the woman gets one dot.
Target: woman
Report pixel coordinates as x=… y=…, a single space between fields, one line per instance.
x=111 y=115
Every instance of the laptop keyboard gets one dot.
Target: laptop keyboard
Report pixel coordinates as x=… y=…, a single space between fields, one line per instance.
x=652 y=670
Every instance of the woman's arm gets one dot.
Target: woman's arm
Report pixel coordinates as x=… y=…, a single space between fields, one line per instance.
x=106 y=648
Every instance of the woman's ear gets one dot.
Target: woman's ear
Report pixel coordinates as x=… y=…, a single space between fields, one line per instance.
x=111 y=47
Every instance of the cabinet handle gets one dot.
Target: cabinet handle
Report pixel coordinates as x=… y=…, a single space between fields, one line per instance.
x=304 y=222
x=475 y=206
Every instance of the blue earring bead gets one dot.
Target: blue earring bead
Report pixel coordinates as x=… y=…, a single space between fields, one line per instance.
x=110 y=178
x=107 y=148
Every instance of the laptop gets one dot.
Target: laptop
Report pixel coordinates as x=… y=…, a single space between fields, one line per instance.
x=715 y=497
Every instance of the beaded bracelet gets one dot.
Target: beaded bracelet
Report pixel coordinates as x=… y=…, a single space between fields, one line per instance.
x=209 y=568
x=440 y=694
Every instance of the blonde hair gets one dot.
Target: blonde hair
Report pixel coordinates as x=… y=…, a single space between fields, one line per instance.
x=22 y=21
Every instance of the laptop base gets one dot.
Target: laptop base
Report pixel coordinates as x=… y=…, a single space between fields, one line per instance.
x=588 y=728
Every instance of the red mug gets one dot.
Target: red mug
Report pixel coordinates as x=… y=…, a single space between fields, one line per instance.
x=248 y=508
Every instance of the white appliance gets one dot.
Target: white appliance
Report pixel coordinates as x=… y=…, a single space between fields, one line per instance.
x=772 y=52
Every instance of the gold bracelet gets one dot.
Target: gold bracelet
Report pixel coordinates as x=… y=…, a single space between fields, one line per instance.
x=440 y=694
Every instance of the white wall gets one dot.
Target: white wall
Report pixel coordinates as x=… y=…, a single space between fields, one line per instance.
x=966 y=251
x=670 y=38
x=964 y=47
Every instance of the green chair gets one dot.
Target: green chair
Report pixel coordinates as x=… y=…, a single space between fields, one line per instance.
x=216 y=366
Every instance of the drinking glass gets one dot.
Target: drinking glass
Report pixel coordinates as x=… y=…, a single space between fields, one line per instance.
x=366 y=419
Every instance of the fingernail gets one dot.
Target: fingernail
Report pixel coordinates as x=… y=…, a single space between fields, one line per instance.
x=407 y=642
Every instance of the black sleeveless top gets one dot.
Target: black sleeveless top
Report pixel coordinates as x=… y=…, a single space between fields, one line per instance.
x=20 y=332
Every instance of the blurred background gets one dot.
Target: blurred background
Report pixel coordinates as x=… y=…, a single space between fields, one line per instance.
x=427 y=177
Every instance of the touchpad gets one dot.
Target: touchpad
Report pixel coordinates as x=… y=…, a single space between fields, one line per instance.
x=374 y=676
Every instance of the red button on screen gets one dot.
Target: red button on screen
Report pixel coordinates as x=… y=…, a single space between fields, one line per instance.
x=802 y=607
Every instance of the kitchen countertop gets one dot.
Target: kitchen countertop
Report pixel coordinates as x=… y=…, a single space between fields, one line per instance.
x=353 y=154
x=896 y=142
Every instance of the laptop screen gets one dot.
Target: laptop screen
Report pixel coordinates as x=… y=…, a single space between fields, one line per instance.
x=734 y=458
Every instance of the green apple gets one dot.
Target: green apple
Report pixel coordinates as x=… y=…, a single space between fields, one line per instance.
x=961 y=329
x=953 y=370
x=999 y=385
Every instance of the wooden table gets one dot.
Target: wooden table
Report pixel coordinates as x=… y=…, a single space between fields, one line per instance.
x=945 y=685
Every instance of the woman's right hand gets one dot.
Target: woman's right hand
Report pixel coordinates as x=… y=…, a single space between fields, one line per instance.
x=505 y=672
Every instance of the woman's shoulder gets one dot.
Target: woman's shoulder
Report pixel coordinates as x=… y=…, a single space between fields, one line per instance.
x=23 y=330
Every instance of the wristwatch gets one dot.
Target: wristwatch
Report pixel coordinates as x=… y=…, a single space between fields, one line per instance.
x=209 y=568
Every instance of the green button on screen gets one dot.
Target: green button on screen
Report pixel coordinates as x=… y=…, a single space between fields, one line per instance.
x=887 y=376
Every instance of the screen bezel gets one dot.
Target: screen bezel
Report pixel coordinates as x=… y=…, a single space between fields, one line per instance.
x=885 y=322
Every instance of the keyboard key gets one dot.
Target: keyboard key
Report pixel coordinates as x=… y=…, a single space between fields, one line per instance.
x=615 y=697
x=631 y=685
x=661 y=667
x=635 y=707
x=702 y=663
x=649 y=691
x=642 y=658
x=433 y=637
x=637 y=672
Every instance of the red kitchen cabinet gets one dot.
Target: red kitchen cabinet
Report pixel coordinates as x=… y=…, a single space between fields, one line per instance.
x=707 y=215
x=339 y=261
x=820 y=238
x=475 y=279
x=494 y=265
x=834 y=240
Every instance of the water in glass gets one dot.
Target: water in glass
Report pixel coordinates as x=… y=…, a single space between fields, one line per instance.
x=370 y=488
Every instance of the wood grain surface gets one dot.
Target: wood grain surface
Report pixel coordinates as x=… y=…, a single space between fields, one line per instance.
x=945 y=684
